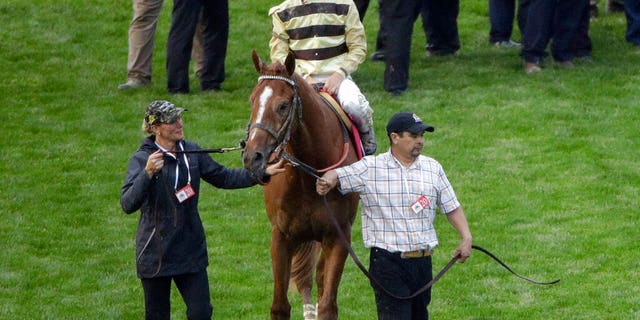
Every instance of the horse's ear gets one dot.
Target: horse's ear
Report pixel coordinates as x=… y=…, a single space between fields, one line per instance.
x=290 y=63
x=257 y=62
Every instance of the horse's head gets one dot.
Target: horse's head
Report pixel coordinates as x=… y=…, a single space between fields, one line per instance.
x=275 y=106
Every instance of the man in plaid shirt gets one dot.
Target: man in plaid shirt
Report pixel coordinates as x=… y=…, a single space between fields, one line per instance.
x=400 y=190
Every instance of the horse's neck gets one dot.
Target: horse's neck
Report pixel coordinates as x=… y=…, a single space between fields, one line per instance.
x=319 y=125
x=314 y=108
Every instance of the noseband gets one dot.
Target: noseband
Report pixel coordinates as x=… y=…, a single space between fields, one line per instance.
x=283 y=135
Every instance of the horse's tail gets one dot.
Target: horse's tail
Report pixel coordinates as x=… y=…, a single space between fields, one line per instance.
x=302 y=266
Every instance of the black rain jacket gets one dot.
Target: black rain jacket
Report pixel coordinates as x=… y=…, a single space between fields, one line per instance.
x=170 y=238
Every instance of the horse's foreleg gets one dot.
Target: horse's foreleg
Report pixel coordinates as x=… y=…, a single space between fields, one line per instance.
x=320 y=274
x=281 y=268
x=334 y=256
x=302 y=266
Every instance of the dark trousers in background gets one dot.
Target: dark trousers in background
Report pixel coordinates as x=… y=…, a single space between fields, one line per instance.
x=547 y=19
x=399 y=17
x=523 y=8
x=194 y=288
x=362 y=6
x=215 y=20
x=382 y=25
x=501 y=16
x=632 y=13
x=582 y=42
x=440 y=24
x=401 y=277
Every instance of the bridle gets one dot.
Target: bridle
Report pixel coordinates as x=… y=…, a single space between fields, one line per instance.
x=283 y=135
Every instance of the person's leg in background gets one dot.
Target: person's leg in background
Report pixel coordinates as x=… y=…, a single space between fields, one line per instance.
x=215 y=38
x=582 y=41
x=566 y=21
x=378 y=54
x=184 y=19
x=142 y=33
x=362 y=6
x=197 y=54
x=521 y=16
x=440 y=24
x=501 y=17
x=537 y=33
x=632 y=13
x=399 y=17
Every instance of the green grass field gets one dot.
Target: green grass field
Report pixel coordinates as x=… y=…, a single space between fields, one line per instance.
x=546 y=167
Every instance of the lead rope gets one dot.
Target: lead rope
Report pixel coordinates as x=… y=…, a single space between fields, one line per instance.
x=435 y=279
x=494 y=257
x=364 y=270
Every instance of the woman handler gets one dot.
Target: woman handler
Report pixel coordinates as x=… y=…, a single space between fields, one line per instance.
x=164 y=185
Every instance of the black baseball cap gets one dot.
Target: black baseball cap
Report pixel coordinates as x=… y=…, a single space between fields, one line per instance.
x=407 y=121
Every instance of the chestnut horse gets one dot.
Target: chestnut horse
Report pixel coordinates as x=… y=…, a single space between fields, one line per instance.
x=290 y=119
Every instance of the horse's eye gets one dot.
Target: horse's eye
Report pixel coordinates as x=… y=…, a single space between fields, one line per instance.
x=283 y=108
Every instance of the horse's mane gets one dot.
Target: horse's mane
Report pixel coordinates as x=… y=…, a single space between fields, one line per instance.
x=277 y=68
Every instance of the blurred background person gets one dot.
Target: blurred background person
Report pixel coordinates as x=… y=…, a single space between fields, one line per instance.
x=632 y=13
x=439 y=23
x=214 y=17
x=141 y=40
x=546 y=20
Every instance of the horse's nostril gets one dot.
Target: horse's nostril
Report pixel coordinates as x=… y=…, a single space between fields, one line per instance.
x=253 y=161
x=257 y=157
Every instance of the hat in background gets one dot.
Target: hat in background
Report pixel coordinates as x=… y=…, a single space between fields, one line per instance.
x=161 y=111
x=407 y=121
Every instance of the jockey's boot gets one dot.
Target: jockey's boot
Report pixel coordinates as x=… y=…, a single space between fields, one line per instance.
x=362 y=116
x=369 y=141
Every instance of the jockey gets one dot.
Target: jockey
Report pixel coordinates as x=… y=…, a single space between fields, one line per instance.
x=328 y=41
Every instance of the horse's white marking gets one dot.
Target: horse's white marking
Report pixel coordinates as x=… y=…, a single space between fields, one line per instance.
x=264 y=97
x=309 y=312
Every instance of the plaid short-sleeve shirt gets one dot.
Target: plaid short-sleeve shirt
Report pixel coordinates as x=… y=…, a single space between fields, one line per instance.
x=388 y=189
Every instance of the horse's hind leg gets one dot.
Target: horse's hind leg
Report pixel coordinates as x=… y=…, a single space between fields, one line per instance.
x=302 y=267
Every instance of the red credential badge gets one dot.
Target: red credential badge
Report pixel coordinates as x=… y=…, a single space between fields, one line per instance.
x=185 y=193
x=420 y=204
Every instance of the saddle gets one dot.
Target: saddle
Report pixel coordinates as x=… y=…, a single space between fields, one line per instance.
x=332 y=102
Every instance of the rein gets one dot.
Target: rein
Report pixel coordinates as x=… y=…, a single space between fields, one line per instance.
x=212 y=150
x=435 y=279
